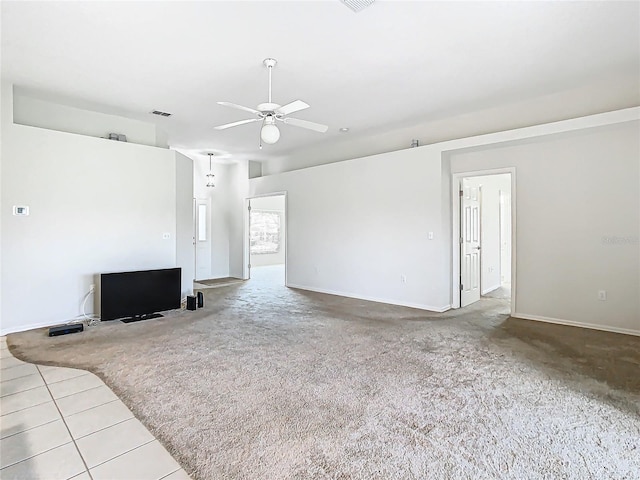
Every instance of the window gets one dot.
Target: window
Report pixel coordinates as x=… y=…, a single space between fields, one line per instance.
x=265 y=232
x=202 y=223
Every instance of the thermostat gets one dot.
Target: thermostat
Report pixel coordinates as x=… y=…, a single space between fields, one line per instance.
x=21 y=210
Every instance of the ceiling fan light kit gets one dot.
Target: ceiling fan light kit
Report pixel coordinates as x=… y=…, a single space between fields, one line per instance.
x=269 y=132
x=270 y=112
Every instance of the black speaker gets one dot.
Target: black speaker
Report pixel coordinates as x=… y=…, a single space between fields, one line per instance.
x=200 y=300
x=191 y=302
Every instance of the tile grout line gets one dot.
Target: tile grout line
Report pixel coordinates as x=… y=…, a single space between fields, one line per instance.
x=91 y=408
x=104 y=428
x=73 y=440
x=35 y=455
x=80 y=391
x=129 y=451
x=30 y=428
x=161 y=478
x=96 y=406
x=13 y=366
x=22 y=376
x=21 y=391
x=25 y=408
x=70 y=378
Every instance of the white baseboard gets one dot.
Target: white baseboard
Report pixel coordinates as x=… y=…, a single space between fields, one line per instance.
x=490 y=289
x=33 y=326
x=419 y=306
x=571 y=323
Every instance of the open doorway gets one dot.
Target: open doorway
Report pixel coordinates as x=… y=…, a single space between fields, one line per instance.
x=483 y=228
x=267 y=239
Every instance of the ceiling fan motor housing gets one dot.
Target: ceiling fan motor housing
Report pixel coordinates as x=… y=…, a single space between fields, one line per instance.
x=268 y=108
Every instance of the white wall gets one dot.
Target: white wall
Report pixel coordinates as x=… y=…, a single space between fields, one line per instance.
x=238 y=217
x=356 y=227
x=220 y=197
x=272 y=204
x=185 y=255
x=53 y=116
x=491 y=186
x=95 y=206
x=575 y=191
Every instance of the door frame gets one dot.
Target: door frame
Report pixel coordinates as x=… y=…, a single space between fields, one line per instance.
x=246 y=253
x=456 y=181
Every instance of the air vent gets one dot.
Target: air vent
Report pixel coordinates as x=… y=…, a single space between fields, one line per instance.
x=357 y=5
x=162 y=114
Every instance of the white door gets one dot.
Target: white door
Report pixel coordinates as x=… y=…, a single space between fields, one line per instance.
x=202 y=240
x=470 y=244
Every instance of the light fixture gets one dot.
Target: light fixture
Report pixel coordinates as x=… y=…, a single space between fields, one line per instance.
x=344 y=130
x=269 y=132
x=210 y=175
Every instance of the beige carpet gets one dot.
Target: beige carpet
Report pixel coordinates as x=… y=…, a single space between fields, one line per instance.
x=272 y=383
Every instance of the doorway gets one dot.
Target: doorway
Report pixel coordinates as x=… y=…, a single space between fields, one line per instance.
x=267 y=238
x=484 y=237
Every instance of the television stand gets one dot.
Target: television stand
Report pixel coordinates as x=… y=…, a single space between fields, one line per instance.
x=137 y=318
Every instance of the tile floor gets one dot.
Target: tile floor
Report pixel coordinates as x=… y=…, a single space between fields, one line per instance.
x=62 y=423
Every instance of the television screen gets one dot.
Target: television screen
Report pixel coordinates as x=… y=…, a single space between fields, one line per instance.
x=131 y=294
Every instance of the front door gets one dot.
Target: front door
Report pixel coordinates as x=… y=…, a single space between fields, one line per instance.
x=202 y=240
x=470 y=244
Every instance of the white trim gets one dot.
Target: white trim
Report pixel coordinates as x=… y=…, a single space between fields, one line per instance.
x=456 y=179
x=419 y=306
x=490 y=289
x=571 y=323
x=33 y=326
x=589 y=121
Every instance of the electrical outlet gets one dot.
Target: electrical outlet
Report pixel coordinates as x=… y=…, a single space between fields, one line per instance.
x=92 y=288
x=602 y=295
x=403 y=278
x=166 y=236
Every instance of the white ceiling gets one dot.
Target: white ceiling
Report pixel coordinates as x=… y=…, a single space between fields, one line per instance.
x=393 y=72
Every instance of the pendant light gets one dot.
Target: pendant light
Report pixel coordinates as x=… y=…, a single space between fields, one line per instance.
x=210 y=175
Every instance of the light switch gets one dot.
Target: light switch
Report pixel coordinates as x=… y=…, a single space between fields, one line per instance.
x=430 y=235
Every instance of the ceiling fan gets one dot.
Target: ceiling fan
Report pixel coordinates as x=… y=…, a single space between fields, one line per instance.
x=269 y=113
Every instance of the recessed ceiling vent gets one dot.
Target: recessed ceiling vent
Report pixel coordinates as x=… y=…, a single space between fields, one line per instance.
x=162 y=114
x=357 y=5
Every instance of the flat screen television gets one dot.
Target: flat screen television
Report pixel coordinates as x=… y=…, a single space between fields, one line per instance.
x=135 y=295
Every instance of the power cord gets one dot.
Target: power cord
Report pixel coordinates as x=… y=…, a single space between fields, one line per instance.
x=91 y=320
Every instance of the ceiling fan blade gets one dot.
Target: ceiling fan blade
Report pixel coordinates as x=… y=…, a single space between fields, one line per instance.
x=239 y=107
x=235 y=124
x=292 y=107
x=305 y=124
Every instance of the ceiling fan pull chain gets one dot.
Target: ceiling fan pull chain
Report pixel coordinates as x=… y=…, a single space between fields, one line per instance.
x=260 y=142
